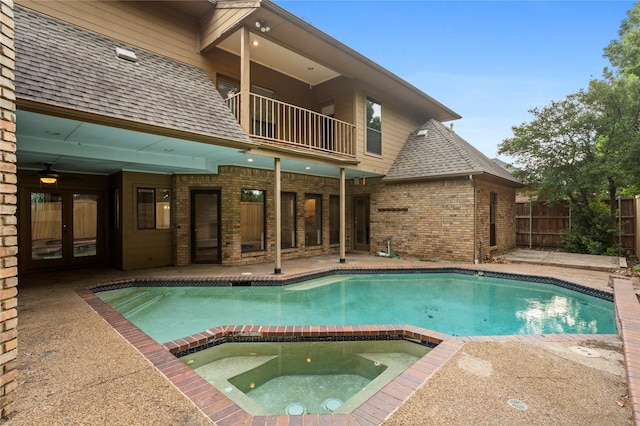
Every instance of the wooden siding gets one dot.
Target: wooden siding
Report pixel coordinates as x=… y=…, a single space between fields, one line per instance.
x=223 y=19
x=287 y=89
x=396 y=127
x=143 y=248
x=152 y=26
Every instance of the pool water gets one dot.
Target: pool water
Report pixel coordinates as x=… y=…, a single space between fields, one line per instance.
x=451 y=303
x=303 y=377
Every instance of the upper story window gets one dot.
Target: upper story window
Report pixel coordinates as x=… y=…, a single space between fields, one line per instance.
x=374 y=127
x=227 y=87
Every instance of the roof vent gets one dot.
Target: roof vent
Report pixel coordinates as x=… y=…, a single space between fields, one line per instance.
x=422 y=132
x=126 y=54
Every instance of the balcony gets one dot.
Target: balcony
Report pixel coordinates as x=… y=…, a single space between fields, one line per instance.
x=285 y=125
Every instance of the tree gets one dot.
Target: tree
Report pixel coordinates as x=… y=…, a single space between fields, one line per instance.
x=587 y=147
x=624 y=54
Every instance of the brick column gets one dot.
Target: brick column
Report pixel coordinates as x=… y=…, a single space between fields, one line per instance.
x=8 y=204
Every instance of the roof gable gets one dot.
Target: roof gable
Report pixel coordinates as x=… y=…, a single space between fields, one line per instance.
x=65 y=66
x=435 y=152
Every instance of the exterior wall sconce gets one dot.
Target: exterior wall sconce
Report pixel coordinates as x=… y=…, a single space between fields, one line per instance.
x=262 y=26
x=48 y=176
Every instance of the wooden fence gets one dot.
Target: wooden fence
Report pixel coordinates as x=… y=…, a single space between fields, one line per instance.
x=539 y=225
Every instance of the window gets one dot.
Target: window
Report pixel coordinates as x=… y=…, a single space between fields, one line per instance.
x=252 y=220
x=374 y=127
x=313 y=220
x=227 y=87
x=154 y=208
x=493 y=202
x=288 y=221
x=262 y=111
x=334 y=219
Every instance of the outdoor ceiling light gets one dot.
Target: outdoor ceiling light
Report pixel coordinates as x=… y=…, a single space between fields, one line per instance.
x=47 y=175
x=263 y=26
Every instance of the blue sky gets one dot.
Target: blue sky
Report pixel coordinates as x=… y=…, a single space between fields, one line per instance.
x=490 y=61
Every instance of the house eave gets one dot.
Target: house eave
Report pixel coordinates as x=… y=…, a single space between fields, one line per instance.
x=457 y=175
x=126 y=124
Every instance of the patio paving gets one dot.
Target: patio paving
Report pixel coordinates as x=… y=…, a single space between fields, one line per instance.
x=572 y=260
x=76 y=369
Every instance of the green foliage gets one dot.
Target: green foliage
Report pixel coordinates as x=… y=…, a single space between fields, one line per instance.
x=591 y=234
x=624 y=53
x=586 y=147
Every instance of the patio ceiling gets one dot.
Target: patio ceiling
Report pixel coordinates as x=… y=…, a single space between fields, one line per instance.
x=80 y=147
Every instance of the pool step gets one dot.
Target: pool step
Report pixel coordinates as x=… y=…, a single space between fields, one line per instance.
x=132 y=302
x=150 y=300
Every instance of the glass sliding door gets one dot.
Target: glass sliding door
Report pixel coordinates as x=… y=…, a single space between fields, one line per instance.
x=65 y=228
x=85 y=224
x=46 y=226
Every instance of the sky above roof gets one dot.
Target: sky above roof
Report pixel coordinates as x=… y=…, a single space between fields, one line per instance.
x=489 y=61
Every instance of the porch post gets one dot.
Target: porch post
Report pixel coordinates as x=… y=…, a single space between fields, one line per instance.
x=343 y=220
x=276 y=168
x=245 y=80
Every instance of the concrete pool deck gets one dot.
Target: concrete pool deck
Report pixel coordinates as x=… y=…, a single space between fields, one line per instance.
x=74 y=368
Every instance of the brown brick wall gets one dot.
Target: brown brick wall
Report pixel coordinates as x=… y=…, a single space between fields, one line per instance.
x=8 y=231
x=505 y=218
x=434 y=220
x=230 y=180
x=429 y=220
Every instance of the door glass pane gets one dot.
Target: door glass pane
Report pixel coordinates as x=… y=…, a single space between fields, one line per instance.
x=252 y=220
x=85 y=224
x=206 y=227
x=362 y=221
x=313 y=220
x=288 y=220
x=46 y=226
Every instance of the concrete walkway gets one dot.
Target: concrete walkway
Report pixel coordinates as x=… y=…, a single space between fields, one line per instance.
x=572 y=260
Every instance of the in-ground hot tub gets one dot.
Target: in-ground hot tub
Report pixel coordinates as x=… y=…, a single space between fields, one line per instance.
x=298 y=378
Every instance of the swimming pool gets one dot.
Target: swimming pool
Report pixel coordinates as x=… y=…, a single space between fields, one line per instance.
x=456 y=303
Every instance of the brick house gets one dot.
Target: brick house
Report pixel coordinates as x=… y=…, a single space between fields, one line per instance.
x=232 y=132
x=227 y=132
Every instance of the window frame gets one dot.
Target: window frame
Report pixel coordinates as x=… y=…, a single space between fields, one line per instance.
x=152 y=223
x=368 y=142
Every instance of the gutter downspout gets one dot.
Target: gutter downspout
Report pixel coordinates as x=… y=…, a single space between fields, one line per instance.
x=475 y=219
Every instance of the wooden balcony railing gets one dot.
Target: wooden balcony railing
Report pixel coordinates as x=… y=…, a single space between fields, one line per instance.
x=288 y=125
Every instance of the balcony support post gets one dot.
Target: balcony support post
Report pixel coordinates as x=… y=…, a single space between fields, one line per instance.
x=277 y=189
x=245 y=79
x=343 y=220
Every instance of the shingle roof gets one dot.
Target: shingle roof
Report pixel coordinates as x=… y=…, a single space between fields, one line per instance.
x=441 y=153
x=66 y=66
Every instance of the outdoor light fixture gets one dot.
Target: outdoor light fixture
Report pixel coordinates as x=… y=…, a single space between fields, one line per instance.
x=263 y=26
x=48 y=176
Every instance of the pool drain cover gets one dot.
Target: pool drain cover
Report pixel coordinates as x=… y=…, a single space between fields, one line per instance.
x=331 y=404
x=588 y=352
x=517 y=404
x=295 y=409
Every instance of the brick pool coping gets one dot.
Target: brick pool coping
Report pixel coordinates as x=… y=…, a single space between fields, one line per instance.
x=223 y=411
